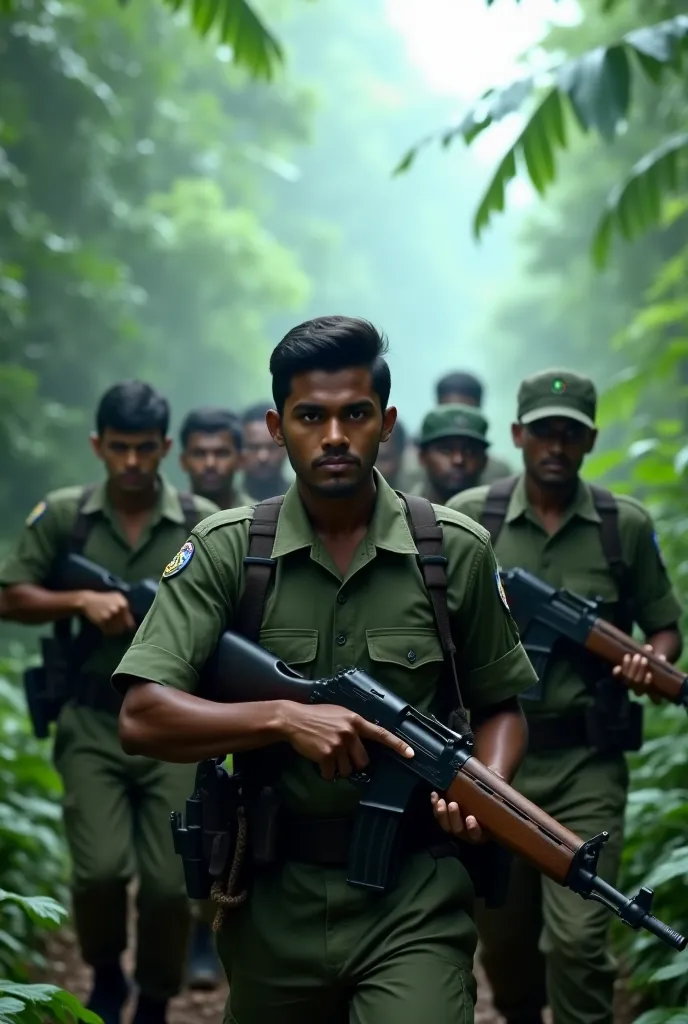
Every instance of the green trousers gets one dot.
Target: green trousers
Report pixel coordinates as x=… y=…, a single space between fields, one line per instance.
x=307 y=948
x=548 y=945
x=117 y=819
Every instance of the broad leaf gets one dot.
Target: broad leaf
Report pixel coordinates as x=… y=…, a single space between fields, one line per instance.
x=41 y=909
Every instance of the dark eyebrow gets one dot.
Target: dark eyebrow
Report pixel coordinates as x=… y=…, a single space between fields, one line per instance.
x=363 y=403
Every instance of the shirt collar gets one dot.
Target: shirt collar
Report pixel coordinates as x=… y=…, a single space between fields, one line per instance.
x=167 y=506
x=388 y=530
x=582 y=505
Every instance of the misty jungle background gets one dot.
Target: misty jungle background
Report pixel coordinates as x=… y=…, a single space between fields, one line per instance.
x=166 y=214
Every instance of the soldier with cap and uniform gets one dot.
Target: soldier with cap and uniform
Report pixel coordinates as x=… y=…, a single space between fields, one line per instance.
x=116 y=808
x=452 y=451
x=462 y=388
x=334 y=574
x=546 y=945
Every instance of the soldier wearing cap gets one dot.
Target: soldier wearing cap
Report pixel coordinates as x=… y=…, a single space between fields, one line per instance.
x=452 y=451
x=545 y=945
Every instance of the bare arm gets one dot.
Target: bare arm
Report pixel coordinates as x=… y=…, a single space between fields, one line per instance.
x=33 y=605
x=501 y=737
x=667 y=643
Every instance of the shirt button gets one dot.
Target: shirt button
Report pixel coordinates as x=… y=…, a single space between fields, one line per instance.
x=411 y=656
x=342 y=598
x=341 y=639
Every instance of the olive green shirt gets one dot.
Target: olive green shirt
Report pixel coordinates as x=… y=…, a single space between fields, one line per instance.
x=496 y=469
x=573 y=558
x=377 y=617
x=47 y=534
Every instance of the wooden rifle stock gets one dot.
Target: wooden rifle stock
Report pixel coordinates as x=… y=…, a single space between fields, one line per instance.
x=610 y=643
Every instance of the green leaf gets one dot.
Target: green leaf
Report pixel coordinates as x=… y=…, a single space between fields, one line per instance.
x=636 y=203
x=40 y=909
x=239 y=26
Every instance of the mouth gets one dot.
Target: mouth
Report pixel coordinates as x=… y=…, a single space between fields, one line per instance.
x=336 y=462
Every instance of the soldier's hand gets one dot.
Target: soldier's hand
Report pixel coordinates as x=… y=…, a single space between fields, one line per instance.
x=333 y=738
x=635 y=670
x=452 y=821
x=108 y=612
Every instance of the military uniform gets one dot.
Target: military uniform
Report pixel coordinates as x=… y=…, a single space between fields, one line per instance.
x=116 y=807
x=546 y=942
x=306 y=945
x=457 y=421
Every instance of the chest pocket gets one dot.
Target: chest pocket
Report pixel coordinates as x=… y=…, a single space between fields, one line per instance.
x=595 y=585
x=409 y=661
x=297 y=648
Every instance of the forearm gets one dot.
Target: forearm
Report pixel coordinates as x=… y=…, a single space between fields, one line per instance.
x=33 y=605
x=667 y=642
x=501 y=738
x=168 y=724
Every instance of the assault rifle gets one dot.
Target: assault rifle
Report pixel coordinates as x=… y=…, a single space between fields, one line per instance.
x=543 y=614
x=443 y=761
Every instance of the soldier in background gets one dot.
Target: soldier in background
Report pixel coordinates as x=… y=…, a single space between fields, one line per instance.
x=462 y=388
x=211 y=443
x=263 y=461
x=452 y=451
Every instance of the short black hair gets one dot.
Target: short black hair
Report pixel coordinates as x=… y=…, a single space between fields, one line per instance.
x=210 y=420
x=459 y=383
x=256 y=413
x=132 y=406
x=399 y=438
x=330 y=343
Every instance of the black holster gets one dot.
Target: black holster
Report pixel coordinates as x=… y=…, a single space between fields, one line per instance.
x=614 y=722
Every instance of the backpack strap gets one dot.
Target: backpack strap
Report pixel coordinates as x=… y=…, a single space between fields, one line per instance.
x=607 y=509
x=83 y=524
x=189 y=509
x=497 y=505
x=260 y=566
x=428 y=537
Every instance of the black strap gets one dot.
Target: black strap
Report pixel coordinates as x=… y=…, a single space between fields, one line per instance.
x=429 y=537
x=189 y=509
x=497 y=505
x=260 y=566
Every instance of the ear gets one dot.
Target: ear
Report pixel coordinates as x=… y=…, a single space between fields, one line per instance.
x=591 y=441
x=166 y=445
x=389 y=418
x=96 y=443
x=274 y=423
x=517 y=430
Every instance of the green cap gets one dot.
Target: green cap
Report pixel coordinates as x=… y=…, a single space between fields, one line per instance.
x=453 y=421
x=557 y=393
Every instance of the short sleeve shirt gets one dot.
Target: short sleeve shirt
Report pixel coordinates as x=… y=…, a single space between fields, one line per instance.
x=377 y=617
x=573 y=558
x=46 y=537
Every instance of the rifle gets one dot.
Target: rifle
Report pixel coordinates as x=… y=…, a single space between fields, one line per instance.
x=49 y=686
x=243 y=671
x=543 y=614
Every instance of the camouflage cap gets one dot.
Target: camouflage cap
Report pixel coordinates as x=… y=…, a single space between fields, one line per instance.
x=453 y=421
x=557 y=393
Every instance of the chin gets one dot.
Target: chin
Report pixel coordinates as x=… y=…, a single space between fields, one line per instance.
x=337 y=488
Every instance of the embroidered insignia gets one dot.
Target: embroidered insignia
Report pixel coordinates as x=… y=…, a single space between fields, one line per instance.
x=655 y=540
x=501 y=592
x=558 y=386
x=180 y=560
x=36 y=513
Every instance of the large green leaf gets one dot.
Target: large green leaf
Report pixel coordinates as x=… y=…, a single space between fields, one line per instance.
x=597 y=89
x=41 y=909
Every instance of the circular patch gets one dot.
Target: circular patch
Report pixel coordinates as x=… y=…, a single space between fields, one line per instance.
x=180 y=560
x=501 y=592
x=36 y=513
x=558 y=386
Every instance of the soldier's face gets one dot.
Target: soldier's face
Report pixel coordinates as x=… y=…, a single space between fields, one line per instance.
x=210 y=460
x=132 y=460
x=553 y=448
x=261 y=458
x=332 y=426
x=453 y=463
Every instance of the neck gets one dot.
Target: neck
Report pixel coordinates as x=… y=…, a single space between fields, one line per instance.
x=262 y=489
x=340 y=515
x=223 y=498
x=133 y=502
x=547 y=499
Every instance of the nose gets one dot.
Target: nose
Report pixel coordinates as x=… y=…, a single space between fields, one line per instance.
x=334 y=436
x=457 y=458
x=132 y=458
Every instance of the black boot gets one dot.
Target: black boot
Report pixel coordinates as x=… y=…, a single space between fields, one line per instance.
x=109 y=993
x=150 y=1011
x=203 y=969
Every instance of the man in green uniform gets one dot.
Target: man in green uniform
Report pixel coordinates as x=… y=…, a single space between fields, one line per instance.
x=116 y=808
x=211 y=442
x=390 y=459
x=462 y=388
x=262 y=460
x=546 y=945
x=347 y=590
x=452 y=451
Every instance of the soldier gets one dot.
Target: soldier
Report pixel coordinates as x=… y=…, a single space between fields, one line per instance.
x=452 y=451
x=262 y=460
x=347 y=589
x=545 y=944
x=116 y=808
x=461 y=388
x=211 y=441
x=390 y=459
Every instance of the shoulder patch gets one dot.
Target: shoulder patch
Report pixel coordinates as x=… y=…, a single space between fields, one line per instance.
x=36 y=513
x=501 y=591
x=180 y=560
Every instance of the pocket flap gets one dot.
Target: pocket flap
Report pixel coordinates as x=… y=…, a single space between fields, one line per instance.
x=411 y=648
x=293 y=646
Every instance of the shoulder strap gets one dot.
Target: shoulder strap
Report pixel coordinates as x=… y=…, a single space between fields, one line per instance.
x=189 y=509
x=496 y=506
x=83 y=524
x=260 y=566
x=607 y=509
x=428 y=536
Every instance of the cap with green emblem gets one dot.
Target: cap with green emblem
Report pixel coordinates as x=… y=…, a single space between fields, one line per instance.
x=557 y=393
x=453 y=421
